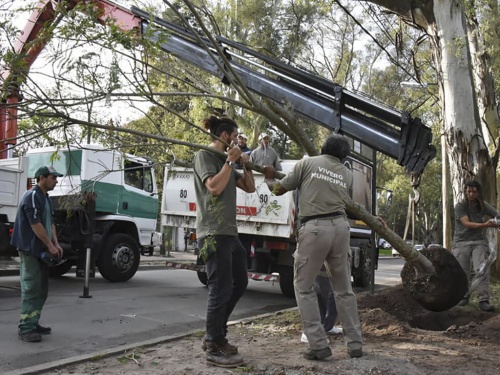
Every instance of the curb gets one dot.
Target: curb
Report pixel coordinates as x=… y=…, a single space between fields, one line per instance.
x=123 y=348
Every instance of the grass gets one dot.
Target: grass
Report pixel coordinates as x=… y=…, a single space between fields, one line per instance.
x=385 y=252
x=494 y=294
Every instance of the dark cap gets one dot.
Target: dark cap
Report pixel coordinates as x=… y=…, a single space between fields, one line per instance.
x=46 y=170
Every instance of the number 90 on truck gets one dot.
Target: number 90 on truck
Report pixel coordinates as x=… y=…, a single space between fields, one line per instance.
x=267 y=223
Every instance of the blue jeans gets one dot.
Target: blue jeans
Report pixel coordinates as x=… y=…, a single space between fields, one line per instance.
x=326 y=301
x=226 y=269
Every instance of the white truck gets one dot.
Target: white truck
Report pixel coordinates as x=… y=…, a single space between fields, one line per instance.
x=13 y=183
x=266 y=224
x=106 y=201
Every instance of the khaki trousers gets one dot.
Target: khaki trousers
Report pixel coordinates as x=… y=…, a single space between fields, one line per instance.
x=325 y=241
x=477 y=252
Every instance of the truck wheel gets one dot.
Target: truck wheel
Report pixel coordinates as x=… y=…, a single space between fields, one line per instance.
x=119 y=258
x=4 y=237
x=62 y=269
x=362 y=276
x=202 y=276
x=286 y=281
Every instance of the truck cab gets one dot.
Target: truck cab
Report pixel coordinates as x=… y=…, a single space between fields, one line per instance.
x=106 y=201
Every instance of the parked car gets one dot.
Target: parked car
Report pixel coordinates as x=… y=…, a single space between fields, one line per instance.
x=417 y=247
x=384 y=244
x=434 y=245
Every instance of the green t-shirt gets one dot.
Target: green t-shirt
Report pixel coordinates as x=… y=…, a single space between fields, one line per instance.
x=214 y=215
x=322 y=181
x=476 y=215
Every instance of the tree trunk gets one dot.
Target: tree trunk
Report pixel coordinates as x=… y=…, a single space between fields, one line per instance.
x=467 y=101
x=466 y=120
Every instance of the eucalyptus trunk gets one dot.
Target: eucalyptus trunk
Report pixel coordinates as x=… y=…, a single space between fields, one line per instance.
x=465 y=89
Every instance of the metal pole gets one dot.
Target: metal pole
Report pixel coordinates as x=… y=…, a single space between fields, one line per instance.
x=413 y=222
x=444 y=193
x=87 y=275
x=374 y=248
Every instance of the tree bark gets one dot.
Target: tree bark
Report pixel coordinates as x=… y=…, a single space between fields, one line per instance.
x=468 y=106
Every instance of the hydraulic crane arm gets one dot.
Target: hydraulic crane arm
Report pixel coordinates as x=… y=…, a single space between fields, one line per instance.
x=392 y=132
x=385 y=129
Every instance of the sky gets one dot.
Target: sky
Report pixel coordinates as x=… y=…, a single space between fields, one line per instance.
x=121 y=112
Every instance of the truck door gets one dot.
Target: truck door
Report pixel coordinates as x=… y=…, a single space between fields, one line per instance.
x=139 y=196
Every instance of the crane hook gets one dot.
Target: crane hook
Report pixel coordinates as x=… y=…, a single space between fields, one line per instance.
x=415 y=183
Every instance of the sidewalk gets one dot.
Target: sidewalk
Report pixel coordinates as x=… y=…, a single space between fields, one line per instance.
x=10 y=266
x=171 y=256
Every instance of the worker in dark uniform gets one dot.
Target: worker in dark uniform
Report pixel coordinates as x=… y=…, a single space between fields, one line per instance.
x=35 y=235
x=215 y=183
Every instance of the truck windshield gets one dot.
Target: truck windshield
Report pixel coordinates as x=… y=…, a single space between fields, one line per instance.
x=138 y=176
x=67 y=162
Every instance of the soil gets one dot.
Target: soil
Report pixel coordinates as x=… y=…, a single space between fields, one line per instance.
x=401 y=337
x=441 y=290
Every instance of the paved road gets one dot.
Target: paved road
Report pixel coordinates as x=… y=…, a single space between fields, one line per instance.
x=389 y=270
x=155 y=303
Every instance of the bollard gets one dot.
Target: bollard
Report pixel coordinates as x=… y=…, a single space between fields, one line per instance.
x=87 y=276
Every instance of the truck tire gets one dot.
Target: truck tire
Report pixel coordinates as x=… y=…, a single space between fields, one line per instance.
x=119 y=258
x=362 y=276
x=4 y=238
x=202 y=276
x=286 y=281
x=61 y=269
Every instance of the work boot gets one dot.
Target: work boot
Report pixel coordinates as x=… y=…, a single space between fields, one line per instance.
x=464 y=302
x=355 y=350
x=224 y=345
x=43 y=330
x=31 y=336
x=317 y=354
x=216 y=356
x=485 y=306
x=355 y=353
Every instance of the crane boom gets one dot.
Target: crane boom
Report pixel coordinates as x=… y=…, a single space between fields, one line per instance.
x=394 y=133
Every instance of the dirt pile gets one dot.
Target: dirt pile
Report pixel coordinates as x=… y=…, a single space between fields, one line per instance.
x=401 y=338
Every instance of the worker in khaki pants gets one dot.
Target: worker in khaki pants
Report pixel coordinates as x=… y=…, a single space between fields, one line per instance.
x=320 y=240
x=323 y=237
x=470 y=242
